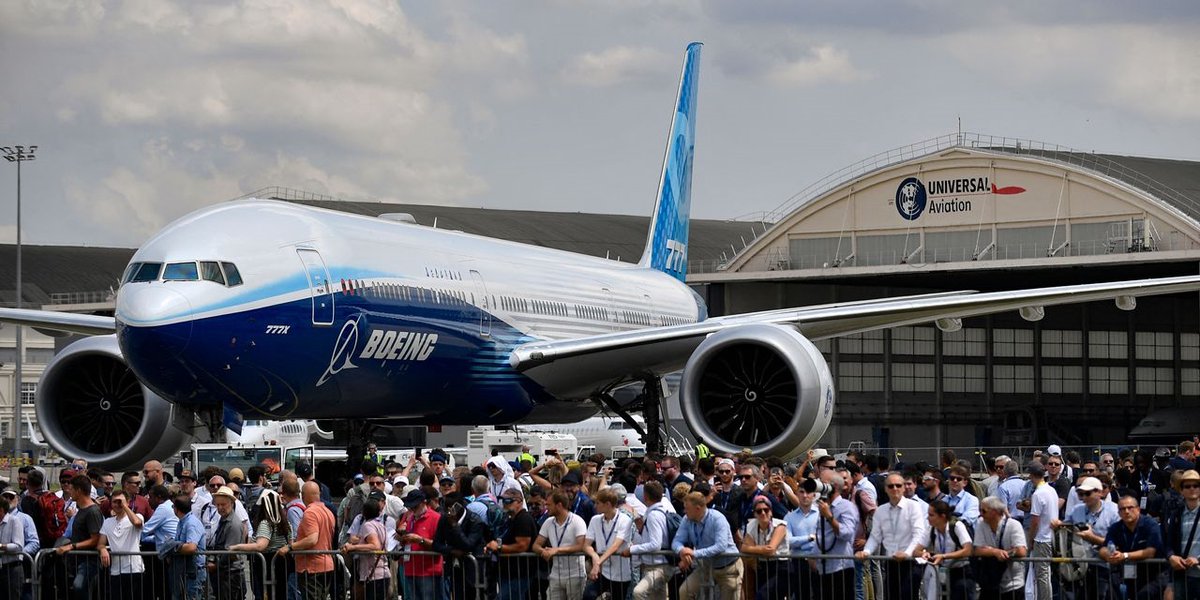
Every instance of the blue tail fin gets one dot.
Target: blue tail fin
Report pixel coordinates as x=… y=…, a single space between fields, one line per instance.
x=666 y=246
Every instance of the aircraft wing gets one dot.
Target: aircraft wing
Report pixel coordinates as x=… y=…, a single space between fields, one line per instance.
x=59 y=321
x=577 y=368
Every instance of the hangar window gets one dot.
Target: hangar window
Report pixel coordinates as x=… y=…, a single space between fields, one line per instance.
x=912 y=340
x=1153 y=345
x=1096 y=238
x=860 y=377
x=1157 y=381
x=870 y=342
x=146 y=272
x=815 y=253
x=1189 y=382
x=1189 y=346
x=1027 y=242
x=969 y=341
x=883 y=249
x=181 y=271
x=1108 y=344
x=1012 y=342
x=913 y=377
x=1108 y=380
x=232 y=276
x=1057 y=343
x=1013 y=379
x=964 y=379
x=955 y=246
x=1062 y=379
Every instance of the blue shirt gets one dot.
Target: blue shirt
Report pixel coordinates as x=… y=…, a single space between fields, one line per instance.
x=1010 y=491
x=161 y=526
x=32 y=543
x=965 y=505
x=707 y=538
x=1099 y=522
x=191 y=531
x=802 y=529
x=841 y=544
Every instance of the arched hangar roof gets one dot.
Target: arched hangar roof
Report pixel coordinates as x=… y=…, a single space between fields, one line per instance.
x=969 y=197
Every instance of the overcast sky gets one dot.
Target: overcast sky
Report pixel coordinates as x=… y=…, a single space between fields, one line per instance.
x=147 y=109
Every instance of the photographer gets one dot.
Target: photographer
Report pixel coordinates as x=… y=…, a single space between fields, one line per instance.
x=1090 y=520
x=835 y=535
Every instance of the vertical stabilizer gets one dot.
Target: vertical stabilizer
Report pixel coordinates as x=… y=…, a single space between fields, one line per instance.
x=666 y=245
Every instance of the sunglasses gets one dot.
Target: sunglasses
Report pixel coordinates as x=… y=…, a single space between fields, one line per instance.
x=762 y=511
x=927 y=478
x=1089 y=470
x=895 y=486
x=507 y=501
x=725 y=471
x=133 y=481
x=956 y=478
x=112 y=483
x=1083 y=493
x=744 y=477
x=214 y=486
x=1054 y=464
x=1190 y=486
x=377 y=483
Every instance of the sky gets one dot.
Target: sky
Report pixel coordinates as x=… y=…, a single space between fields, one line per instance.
x=145 y=110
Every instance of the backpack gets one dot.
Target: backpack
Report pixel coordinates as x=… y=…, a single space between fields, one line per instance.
x=496 y=522
x=1068 y=545
x=54 y=515
x=951 y=524
x=354 y=505
x=673 y=521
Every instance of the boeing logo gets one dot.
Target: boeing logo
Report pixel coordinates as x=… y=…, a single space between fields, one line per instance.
x=391 y=344
x=343 y=350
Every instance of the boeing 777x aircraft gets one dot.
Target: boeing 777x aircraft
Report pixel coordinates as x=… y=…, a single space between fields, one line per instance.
x=257 y=309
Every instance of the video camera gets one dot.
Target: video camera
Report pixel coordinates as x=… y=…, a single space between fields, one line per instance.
x=820 y=488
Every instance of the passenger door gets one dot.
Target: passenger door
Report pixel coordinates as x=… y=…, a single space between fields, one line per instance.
x=318 y=285
x=483 y=301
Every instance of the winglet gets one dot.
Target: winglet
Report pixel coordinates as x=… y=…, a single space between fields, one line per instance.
x=666 y=245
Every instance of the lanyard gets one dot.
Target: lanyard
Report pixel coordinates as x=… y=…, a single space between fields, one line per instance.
x=497 y=491
x=608 y=535
x=578 y=501
x=698 y=536
x=561 y=533
x=1191 y=536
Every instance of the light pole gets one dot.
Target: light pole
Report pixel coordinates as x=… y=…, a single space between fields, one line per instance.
x=18 y=154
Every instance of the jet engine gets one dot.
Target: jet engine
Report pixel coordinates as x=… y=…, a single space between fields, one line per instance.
x=764 y=387
x=90 y=405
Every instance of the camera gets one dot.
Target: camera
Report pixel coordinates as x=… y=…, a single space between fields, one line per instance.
x=820 y=488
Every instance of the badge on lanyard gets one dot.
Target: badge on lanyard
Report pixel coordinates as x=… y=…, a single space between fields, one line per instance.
x=1129 y=571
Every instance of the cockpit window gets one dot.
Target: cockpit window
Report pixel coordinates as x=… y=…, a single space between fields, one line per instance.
x=211 y=271
x=145 y=272
x=129 y=271
x=232 y=277
x=181 y=272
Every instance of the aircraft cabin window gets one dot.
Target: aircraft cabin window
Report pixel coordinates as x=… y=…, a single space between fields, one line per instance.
x=146 y=272
x=211 y=271
x=232 y=276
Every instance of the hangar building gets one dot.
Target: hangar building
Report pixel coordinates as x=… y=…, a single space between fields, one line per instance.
x=976 y=212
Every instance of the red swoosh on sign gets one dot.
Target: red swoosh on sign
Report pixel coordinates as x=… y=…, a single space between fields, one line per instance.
x=1008 y=190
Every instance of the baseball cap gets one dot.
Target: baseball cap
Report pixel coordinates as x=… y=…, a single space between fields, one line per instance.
x=1093 y=484
x=400 y=480
x=437 y=458
x=303 y=470
x=376 y=495
x=414 y=498
x=1054 y=450
x=572 y=477
x=236 y=473
x=446 y=478
x=67 y=474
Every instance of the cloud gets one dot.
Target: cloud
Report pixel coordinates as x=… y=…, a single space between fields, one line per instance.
x=618 y=65
x=822 y=64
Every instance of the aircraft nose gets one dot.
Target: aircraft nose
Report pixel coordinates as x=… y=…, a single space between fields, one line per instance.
x=158 y=313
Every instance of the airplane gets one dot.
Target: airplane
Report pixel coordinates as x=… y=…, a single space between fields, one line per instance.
x=602 y=431
x=279 y=433
x=272 y=311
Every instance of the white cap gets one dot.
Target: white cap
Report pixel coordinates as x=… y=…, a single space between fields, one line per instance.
x=1089 y=483
x=820 y=452
x=1054 y=450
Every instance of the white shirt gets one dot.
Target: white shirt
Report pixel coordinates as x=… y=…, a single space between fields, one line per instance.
x=651 y=537
x=122 y=536
x=559 y=535
x=944 y=544
x=1014 y=537
x=389 y=525
x=12 y=537
x=867 y=488
x=899 y=527
x=1044 y=505
x=603 y=534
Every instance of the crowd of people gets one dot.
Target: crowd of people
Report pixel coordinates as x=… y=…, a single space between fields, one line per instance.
x=659 y=527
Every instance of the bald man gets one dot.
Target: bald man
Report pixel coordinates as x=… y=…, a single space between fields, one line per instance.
x=152 y=475
x=315 y=533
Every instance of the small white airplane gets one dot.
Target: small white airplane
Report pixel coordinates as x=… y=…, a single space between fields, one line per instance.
x=602 y=431
x=277 y=433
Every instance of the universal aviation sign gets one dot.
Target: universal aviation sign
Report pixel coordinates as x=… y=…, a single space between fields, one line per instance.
x=940 y=196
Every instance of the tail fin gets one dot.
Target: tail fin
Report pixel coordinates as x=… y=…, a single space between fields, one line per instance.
x=666 y=245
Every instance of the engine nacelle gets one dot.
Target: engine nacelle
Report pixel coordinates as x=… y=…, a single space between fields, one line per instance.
x=761 y=386
x=90 y=405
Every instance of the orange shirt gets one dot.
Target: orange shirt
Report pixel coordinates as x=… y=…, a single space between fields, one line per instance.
x=316 y=519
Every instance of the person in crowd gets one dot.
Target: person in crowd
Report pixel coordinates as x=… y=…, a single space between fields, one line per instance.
x=964 y=505
x=1137 y=538
x=501 y=477
x=152 y=475
x=897 y=530
x=949 y=546
x=131 y=482
x=705 y=547
x=85 y=535
x=460 y=534
x=256 y=481
x=834 y=537
x=226 y=571
x=12 y=499
x=1010 y=490
x=304 y=472
x=315 y=532
x=293 y=509
x=931 y=482
x=187 y=485
x=1150 y=483
x=1180 y=539
x=650 y=536
x=1057 y=479
x=580 y=504
x=767 y=540
x=749 y=477
x=422 y=572
x=563 y=533
x=157 y=533
x=995 y=475
x=367 y=547
x=673 y=476
x=1090 y=520
x=515 y=574
x=1043 y=511
x=1108 y=463
x=780 y=489
x=912 y=483
x=998 y=540
x=185 y=553
x=121 y=533
x=12 y=541
x=271 y=532
x=607 y=536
